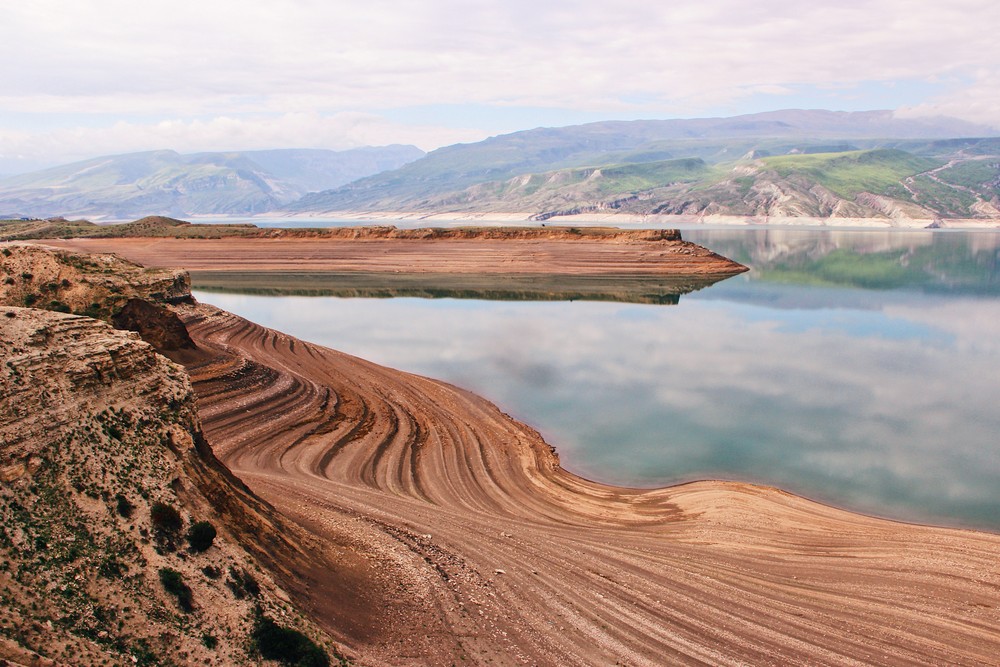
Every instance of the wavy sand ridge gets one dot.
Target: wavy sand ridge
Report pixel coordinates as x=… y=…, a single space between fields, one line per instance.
x=484 y=549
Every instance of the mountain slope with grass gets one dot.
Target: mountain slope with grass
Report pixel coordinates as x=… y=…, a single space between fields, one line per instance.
x=447 y=179
x=884 y=183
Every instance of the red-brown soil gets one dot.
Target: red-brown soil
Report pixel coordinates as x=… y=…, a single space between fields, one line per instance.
x=480 y=549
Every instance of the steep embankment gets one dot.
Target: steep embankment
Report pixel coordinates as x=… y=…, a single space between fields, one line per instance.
x=109 y=501
x=514 y=561
x=110 y=494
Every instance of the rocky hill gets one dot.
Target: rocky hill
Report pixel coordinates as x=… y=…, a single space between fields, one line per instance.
x=123 y=541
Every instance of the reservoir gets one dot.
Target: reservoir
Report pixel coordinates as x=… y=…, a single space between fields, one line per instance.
x=857 y=368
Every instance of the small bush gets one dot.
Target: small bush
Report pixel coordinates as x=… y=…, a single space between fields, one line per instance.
x=211 y=572
x=111 y=568
x=123 y=506
x=165 y=518
x=173 y=583
x=200 y=536
x=242 y=584
x=287 y=646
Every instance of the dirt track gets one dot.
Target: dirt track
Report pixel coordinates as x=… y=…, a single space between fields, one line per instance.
x=480 y=549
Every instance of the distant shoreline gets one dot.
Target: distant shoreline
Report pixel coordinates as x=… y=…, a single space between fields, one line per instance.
x=611 y=218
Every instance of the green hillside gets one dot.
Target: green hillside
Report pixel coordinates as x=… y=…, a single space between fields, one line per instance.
x=851 y=173
x=881 y=182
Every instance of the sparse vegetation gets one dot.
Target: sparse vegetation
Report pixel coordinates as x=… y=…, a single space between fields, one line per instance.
x=200 y=536
x=242 y=584
x=123 y=506
x=165 y=518
x=286 y=645
x=173 y=583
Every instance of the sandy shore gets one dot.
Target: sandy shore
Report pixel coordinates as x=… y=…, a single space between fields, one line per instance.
x=480 y=549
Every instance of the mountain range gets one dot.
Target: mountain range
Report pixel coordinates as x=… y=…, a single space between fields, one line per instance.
x=785 y=163
x=169 y=183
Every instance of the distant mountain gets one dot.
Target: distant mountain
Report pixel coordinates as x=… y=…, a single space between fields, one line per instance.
x=429 y=181
x=168 y=183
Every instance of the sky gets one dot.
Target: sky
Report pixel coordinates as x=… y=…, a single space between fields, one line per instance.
x=101 y=77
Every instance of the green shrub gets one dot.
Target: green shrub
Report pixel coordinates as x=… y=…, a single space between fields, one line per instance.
x=242 y=584
x=200 y=536
x=123 y=506
x=287 y=646
x=173 y=583
x=165 y=518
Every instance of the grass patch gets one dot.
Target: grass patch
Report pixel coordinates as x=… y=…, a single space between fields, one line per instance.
x=849 y=174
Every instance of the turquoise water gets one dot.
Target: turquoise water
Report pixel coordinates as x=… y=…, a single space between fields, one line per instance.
x=856 y=368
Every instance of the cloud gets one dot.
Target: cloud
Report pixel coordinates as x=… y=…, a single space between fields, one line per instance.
x=291 y=130
x=977 y=100
x=185 y=60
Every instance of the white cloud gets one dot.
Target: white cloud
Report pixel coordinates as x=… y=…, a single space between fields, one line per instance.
x=291 y=130
x=978 y=101
x=185 y=59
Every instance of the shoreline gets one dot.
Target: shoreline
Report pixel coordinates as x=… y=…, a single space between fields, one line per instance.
x=490 y=521
x=614 y=219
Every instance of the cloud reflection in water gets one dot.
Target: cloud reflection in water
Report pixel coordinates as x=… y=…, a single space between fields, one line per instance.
x=890 y=409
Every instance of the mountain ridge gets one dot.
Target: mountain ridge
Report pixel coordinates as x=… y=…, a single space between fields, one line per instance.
x=166 y=182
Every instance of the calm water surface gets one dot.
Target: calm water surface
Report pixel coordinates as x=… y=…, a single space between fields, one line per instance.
x=857 y=368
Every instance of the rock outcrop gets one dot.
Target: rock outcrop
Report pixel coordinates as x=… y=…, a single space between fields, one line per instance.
x=122 y=539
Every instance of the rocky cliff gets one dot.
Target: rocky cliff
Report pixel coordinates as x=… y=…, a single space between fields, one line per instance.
x=122 y=539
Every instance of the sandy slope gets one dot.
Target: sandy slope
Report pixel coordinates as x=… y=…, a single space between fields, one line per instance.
x=480 y=549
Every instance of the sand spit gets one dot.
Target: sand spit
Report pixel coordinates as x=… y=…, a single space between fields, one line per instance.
x=487 y=552
x=554 y=251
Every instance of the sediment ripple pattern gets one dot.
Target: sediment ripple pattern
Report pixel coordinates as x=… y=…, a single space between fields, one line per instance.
x=486 y=551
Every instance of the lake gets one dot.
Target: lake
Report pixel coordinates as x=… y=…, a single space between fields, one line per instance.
x=855 y=368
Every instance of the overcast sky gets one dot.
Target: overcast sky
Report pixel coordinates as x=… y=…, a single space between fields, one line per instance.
x=111 y=76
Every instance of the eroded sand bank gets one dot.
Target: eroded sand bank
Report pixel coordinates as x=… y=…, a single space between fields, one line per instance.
x=481 y=548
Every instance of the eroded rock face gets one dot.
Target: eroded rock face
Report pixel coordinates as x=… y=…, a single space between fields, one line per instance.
x=98 y=430
x=95 y=285
x=156 y=325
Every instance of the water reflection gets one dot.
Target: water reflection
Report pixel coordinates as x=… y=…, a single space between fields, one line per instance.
x=882 y=400
x=627 y=289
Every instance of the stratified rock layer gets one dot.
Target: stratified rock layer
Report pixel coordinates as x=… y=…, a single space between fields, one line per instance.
x=500 y=556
